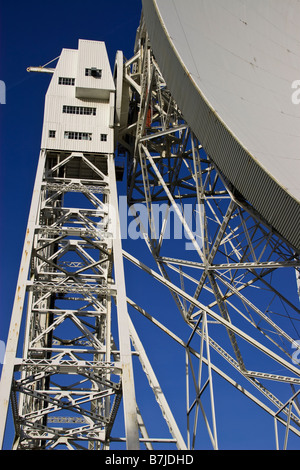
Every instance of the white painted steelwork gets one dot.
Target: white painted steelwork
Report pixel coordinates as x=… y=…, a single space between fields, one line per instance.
x=236 y=325
x=67 y=386
x=72 y=88
x=229 y=281
x=233 y=67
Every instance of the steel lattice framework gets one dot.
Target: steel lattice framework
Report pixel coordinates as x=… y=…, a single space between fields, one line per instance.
x=230 y=279
x=68 y=380
x=237 y=320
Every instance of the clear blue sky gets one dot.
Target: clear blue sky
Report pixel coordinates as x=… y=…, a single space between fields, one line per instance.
x=31 y=34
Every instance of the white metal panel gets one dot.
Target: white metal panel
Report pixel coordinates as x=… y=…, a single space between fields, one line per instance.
x=230 y=65
x=92 y=54
x=58 y=95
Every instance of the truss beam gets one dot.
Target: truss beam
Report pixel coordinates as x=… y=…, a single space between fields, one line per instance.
x=71 y=364
x=234 y=258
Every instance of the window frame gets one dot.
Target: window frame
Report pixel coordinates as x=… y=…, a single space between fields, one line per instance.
x=66 y=81
x=79 y=110
x=89 y=72
x=76 y=135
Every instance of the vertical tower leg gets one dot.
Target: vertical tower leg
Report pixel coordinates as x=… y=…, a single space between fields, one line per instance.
x=130 y=409
x=16 y=318
x=67 y=387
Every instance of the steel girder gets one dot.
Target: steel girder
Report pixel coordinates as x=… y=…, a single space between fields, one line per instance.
x=67 y=386
x=232 y=278
x=236 y=321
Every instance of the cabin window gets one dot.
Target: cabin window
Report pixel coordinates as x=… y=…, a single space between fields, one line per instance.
x=66 y=81
x=78 y=135
x=93 y=72
x=83 y=110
